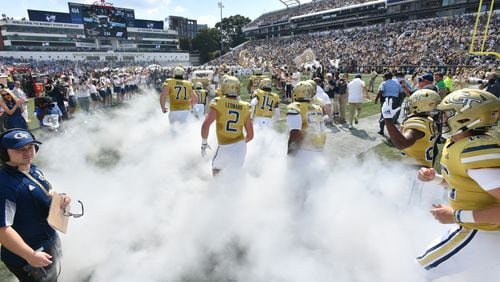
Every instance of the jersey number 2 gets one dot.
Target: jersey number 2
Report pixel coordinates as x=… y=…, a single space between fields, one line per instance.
x=234 y=116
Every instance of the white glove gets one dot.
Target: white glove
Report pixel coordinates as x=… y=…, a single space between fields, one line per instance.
x=387 y=110
x=204 y=147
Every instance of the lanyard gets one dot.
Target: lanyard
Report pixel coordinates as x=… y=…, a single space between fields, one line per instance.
x=37 y=183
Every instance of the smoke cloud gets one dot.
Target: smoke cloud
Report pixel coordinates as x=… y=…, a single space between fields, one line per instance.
x=153 y=211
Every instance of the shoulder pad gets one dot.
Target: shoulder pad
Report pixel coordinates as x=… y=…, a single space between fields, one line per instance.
x=293 y=108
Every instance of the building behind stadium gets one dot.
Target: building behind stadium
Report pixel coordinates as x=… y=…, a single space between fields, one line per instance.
x=94 y=32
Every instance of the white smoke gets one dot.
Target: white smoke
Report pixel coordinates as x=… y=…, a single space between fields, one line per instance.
x=153 y=211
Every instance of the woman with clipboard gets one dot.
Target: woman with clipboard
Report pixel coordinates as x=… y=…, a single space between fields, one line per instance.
x=30 y=245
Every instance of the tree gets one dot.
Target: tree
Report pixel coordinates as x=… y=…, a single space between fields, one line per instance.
x=232 y=30
x=185 y=44
x=207 y=42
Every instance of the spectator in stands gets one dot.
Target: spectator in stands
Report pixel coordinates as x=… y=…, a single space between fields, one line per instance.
x=440 y=85
x=448 y=82
x=492 y=84
x=18 y=91
x=426 y=81
x=13 y=108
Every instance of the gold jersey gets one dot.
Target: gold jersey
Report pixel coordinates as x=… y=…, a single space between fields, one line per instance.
x=473 y=152
x=266 y=102
x=231 y=117
x=218 y=92
x=179 y=93
x=255 y=82
x=313 y=127
x=318 y=101
x=202 y=96
x=422 y=152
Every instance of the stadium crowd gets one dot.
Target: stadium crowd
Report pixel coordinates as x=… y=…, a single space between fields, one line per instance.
x=303 y=9
x=430 y=42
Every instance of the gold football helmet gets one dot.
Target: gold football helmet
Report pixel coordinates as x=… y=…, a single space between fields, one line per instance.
x=266 y=84
x=423 y=101
x=468 y=109
x=198 y=85
x=303 y=91
x=257 y=71
x=178 y=72
x=231 y=86
x=313 y=84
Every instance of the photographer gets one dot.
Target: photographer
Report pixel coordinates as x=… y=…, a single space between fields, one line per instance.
x=31 y=248
x=492 y=84
x=58 y=94
x=47 y=113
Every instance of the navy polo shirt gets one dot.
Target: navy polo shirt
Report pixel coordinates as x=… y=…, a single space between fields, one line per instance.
x=24 y=206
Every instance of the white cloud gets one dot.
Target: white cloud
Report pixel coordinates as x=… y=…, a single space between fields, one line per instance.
x=209 y=20
x=179 y=9
x=155 y=213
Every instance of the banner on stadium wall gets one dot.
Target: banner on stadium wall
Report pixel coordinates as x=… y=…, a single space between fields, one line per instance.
x=48 y=16
x=147 y=24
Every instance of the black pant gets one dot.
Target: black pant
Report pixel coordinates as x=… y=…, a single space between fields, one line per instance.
x=288 y=91
x=27 y=273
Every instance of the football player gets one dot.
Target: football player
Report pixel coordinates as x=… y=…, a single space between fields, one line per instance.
x=418 y=134
x=180 y=94
x=254 y=81
x=470 y=166
x=265 y=105
x=231 y=116
x=201 y=94
x=305 y=121
x=218 y=91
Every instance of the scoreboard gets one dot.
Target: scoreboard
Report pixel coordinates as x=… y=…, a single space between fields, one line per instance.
x=102 y=21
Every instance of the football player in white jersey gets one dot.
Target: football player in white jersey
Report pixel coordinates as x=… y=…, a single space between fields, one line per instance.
x=470 y=166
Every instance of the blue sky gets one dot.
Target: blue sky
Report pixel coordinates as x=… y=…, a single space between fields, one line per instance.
x=205 y=11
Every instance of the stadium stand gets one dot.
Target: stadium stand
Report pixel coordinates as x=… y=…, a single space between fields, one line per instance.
x=303 y=9
x=430 y=42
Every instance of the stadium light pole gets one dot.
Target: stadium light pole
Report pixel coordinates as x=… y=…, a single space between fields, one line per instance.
x=221 y=37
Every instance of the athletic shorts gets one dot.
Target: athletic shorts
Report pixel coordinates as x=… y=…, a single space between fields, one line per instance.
x=262 y=122
x=199 y=111
x=94 y=97
x=459 y=250
x=230 y=155
x=179 y=116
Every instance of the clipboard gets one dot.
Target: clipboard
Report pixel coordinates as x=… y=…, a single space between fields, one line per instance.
x=56 y=218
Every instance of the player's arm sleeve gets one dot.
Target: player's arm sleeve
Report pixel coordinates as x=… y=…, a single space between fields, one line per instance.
x=487 y=178
x=254 y=102
x=276 y=114
x=294 y=121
